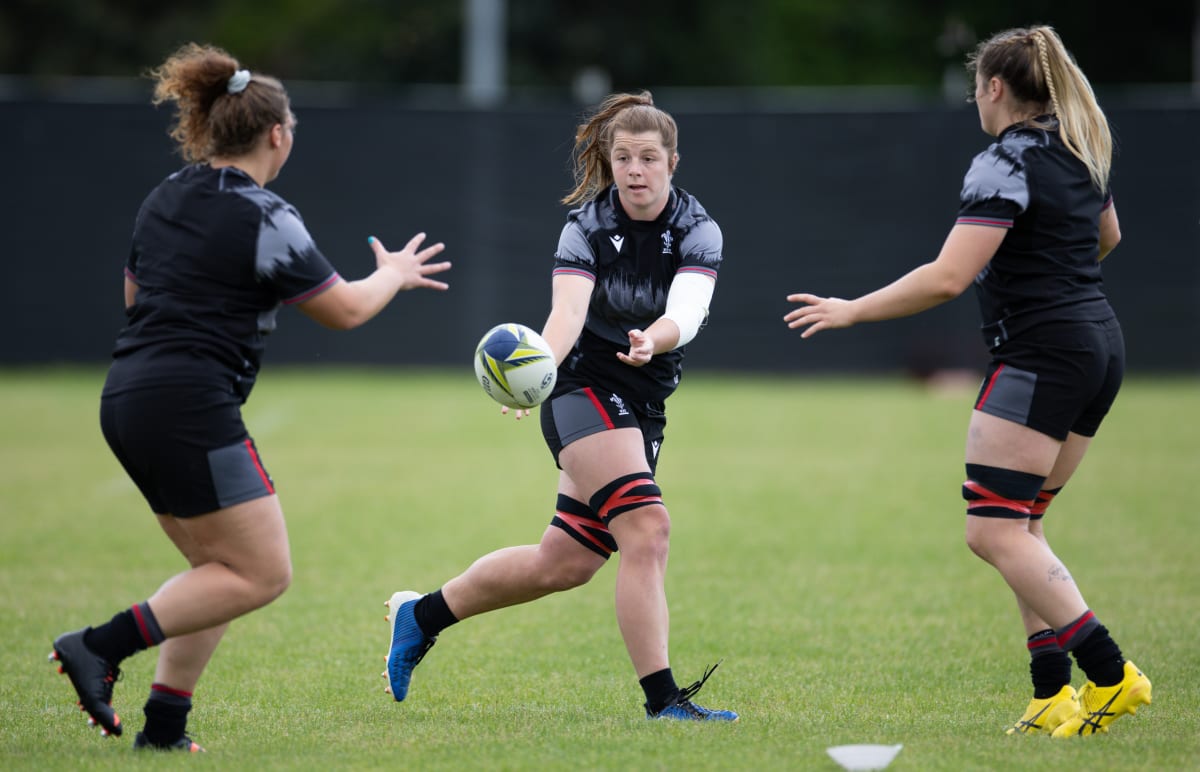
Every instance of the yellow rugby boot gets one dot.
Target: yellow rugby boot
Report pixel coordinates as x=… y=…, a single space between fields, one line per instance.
x=1099 y=706
x=1044 y=716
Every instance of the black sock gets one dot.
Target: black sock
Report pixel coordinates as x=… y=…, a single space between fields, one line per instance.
x=433 y=615
x=128 y=632
x=1100 y=658
x=166 y=714
x=1049 y=665
x=660 y=689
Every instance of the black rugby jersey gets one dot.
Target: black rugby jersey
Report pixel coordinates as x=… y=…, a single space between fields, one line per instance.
x=1046 y=269
x=214 y=256
x=632 y=263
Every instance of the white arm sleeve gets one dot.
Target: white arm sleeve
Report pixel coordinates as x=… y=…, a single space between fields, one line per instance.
x=687 y=303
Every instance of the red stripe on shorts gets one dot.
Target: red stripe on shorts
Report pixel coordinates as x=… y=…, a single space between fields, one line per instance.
x=988 y=390
x=599 y=407
x=262 y=473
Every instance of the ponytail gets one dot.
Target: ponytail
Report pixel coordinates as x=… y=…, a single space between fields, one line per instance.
x=1039 y=71
x=1082 y=125
x=221 y=110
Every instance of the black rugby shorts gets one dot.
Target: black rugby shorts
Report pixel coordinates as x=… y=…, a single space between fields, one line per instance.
x=1056 y=378
x=578 y=412
x=185 y=448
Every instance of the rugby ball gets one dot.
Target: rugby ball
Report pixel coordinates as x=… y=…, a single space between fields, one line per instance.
x=515 y=366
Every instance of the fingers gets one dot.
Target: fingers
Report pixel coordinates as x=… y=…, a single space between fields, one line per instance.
x=809 y=315
x=813 y=314
x=411 y=264
x=641 y=349
x=429 y=252
x=411 y=247
x=813 y=321
x=414 y=243
x=813 y=329
x=430 y=268
x=640 y=342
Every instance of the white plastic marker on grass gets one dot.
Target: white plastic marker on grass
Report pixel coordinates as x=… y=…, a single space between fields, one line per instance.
x=862 y=757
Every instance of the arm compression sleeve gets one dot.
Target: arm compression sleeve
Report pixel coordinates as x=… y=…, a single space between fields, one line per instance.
x=687 y=303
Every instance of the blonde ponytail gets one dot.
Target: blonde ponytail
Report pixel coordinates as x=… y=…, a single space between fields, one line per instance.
x=1082 y=125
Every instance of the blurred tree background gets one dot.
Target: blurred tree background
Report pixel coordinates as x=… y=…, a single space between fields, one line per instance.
x=752 y=43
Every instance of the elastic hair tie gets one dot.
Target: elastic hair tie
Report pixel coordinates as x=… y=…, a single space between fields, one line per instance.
x=238 y=82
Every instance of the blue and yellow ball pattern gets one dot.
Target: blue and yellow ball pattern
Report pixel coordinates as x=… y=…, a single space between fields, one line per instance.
x=515 y=365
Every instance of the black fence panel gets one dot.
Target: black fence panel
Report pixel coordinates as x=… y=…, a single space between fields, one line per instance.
x=829 y=202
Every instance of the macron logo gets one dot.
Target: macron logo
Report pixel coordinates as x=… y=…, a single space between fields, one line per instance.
x=617 y=241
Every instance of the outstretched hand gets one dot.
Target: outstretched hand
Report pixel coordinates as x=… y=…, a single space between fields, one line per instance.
x=641 y=349
x=818 y=313
x=411 y=264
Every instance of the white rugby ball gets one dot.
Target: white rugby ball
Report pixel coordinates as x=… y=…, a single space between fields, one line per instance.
x=515 y=365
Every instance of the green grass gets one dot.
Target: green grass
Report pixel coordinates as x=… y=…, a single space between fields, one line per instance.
x=816 y=547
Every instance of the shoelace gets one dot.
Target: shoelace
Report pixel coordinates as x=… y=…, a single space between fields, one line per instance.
x=687 y=692
x=692 y=708
x=425 y=647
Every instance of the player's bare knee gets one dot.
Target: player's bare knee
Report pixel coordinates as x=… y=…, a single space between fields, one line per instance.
x=650 y=528
x=280 y=580
x=269 y=580
x=977 y=541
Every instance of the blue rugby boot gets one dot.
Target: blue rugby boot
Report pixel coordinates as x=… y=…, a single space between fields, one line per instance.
x=683 y=709
x=409 y=644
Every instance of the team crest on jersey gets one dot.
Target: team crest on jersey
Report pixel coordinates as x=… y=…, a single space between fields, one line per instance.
x=620 y=403
x=667 y=241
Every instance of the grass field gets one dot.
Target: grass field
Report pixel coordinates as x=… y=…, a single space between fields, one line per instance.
x=816 y=547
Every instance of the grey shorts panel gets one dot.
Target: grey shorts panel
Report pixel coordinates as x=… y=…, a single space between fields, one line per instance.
x=581 y=412
x=1008 y=394
x=238 y=474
